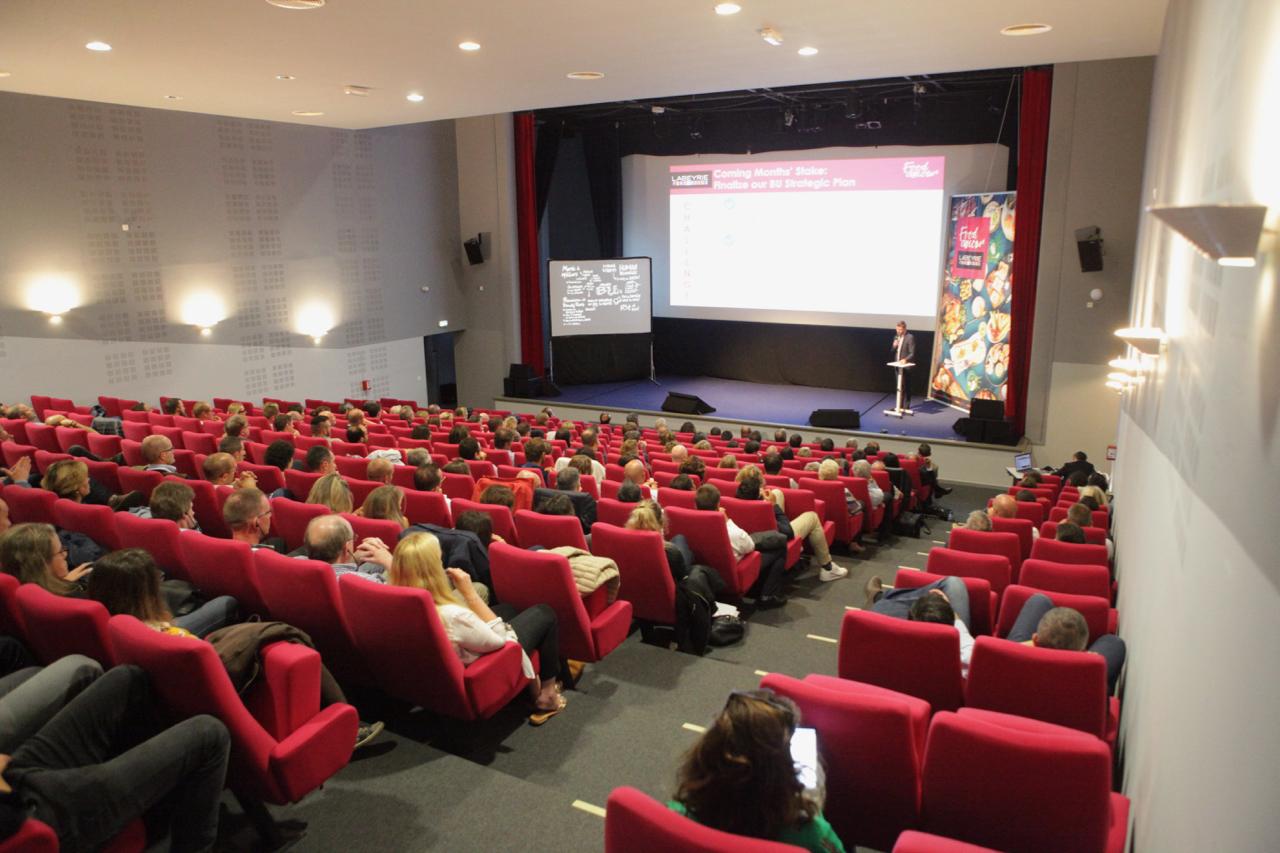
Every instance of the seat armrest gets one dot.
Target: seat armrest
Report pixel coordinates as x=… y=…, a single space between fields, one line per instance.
x=610 y=628
x=316 y=750
x=287 y=693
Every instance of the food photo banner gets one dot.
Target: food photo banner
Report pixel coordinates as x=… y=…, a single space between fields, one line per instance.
x=971 y=348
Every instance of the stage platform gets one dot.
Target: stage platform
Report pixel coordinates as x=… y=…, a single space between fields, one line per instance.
x=767 y=407
x=787 y=405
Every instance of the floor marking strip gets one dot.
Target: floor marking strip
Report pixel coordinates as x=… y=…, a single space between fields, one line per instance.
x=694 y=727
x=821 y=638
x=922 y=553
x=588 y=808
x=762 y=673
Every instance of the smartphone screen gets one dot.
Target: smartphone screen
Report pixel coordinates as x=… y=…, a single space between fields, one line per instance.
x=804 y=752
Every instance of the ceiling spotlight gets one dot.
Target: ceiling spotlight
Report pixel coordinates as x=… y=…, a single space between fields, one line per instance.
x=469 y=45
x=772 y=36
x=352 y=89
x=444 y=324
x=728 y=8
x=285 y=77
x=1025 y=29
x=297 y=4
x=585 y=75
x=807 y=51
x=307 y=113
x=100 y=46
x=173 y=97
x=416 y=97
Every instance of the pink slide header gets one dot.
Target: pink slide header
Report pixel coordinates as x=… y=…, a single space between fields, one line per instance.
x=789 y=176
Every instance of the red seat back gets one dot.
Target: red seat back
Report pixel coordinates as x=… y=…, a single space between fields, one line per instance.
x=635 y=823
x=1092 y=535
x=378 y=528
x=299 y=483
x=157 y=536
x=751 y=516
x=68 y=437
x=10 y=617
x=1020 y=527
x=709 y=539
x=222 y=567
x=199 y=442
x=670 y=497
x=549 y=531
x=982 y=600
x=44 y=459
x=29 y=505
x=401 y=640
x=61 y=626
x=1041 y=787
x=458 y=486
x=1067 y=688
x=1096 y=611
x=137 y=480
x=988 y=542
x=1069 y=552
x=993 y=568
x=871 y=742
x=504 y=524
x=96 y=522
x=354 y=466
x=642 y=564
x=831 y=493
x=304 y=593
x=43 y=437
x=207 y=507
x=360 y=489
x=920 y=659
x=614 y=512
x=289 y=519
x=427 y=508
x=1074 y=578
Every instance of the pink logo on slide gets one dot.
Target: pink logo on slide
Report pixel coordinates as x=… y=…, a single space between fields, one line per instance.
x=914 y=169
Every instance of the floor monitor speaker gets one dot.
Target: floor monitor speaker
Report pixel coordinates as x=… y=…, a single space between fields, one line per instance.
x=835 y=418
x=686 y=404
x=987 y=410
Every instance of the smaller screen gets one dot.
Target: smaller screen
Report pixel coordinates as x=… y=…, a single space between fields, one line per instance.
x=804 y=752
x=600 y=297
x=1022 y=462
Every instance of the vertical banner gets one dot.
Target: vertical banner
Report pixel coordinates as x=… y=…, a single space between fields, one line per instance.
x=971 y=347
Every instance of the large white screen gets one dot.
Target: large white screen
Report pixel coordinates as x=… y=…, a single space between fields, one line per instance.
x=851 y=237
x=600 y=297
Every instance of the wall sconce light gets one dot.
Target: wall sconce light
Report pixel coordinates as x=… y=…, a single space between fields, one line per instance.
x=53 y=295
x=315 y=320
x=1145 y=339
x=1226 y=233
x=1123 y=378
x=1129 y=365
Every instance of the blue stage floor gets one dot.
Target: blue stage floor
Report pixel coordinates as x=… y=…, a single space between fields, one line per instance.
x=735 y=401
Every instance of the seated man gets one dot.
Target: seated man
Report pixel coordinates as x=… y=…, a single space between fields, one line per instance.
x=247 y=514
x=634 y=472
x=501 y=453
x=234 y=445
x=569 y=481
x=805 y=526
x=929 y=470
x=682 y=482
x=978 y=520
x=321 y=427
x=174 y=502
x=945 y=602
x=220 y=469
x=1041 y=624
x=157 y=455
x=630 y=493
x=1079 y=464
x=534 y=451
x=1005 y=506
x=174 y=406
x=1080 y=515
x=469 y=449
x=319 y=460
x=379 y=470
x=768 y=588
x=330 y=539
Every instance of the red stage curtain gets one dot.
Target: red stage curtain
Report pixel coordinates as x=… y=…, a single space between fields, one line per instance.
x=531 y=343
x=1033 y=142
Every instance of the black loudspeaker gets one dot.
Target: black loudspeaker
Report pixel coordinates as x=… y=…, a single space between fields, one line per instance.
x=1089 y=247
x=835 y=418
x=988 y=432
x=520 y=387
x=474 y=253
x=988 y=410
x=685 y=404
x=520 y=371
x=547 y=388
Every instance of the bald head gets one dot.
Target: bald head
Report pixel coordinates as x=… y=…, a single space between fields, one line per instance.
x=1004 y=506
x=634 y=471
x=329 y=538
x=679 y=453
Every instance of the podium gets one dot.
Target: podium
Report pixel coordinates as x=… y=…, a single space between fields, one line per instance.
x=898 y=409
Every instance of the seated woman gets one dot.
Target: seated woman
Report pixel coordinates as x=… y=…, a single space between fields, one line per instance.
x=331 y=491
x=474 y=628
x=33 y=553
x=69 y=479
x=745 y=758
x=385 y=502
x=128 y=582
x=829 y=469
x=648 y=515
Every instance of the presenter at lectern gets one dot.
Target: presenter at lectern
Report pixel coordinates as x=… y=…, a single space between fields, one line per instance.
x=904 y=349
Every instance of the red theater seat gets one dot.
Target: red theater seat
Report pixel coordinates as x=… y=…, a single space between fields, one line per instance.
x=61 y=626
x=920 y=659
x=709 y=539
x=642 y=565
x=549 y=531
x=635 y=823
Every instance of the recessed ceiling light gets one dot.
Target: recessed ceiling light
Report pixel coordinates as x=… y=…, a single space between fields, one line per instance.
x=100 y=46
x=173 y=97
x=728 y=8
x=6 y=73
x=307 y=113
x=285 y=77
x=585 y=75
x=807 y=51
x=468 y=45
x=772 y=36
x=297 y=4
x=1025 y=29
x=416 y=97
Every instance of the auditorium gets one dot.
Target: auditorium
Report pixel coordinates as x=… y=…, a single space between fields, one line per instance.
x=699 y=426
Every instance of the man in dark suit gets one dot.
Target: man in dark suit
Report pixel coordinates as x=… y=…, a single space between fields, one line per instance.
x=904 y=349
x=1079 y=462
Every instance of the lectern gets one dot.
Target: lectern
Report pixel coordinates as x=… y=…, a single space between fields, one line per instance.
x=898 y=409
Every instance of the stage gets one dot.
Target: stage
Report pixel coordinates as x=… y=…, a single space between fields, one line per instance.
x=736 y=402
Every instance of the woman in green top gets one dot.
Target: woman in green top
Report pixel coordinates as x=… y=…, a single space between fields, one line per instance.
x=739 y=777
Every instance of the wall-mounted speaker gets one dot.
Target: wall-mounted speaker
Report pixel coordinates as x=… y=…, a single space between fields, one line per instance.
x=474 y=250
x=1089 y=247
x=686 y=404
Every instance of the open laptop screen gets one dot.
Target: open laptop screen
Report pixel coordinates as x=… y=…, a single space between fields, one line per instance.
x=1021 y=461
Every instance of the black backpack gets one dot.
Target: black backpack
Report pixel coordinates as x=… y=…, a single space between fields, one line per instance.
x=909 y=523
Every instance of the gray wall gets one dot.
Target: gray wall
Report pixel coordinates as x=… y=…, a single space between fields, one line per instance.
x=1196 y=530
x=268 y=217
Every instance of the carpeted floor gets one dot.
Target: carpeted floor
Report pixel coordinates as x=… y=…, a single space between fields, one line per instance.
x=430 y=784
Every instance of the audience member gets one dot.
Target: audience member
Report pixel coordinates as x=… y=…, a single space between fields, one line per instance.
x=157 y=455
x=806 y=525
x=379 y=470
x=978 y=520
x=1041 y=624
x=330 y=539
x=33 y=553
x=1079 y=464
x=1068 y=532
x=128 y=582
x=247 y=514
x=331 y=491
x=945 y=601
x=1005 y=506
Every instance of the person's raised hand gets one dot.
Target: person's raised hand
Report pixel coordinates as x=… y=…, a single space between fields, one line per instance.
x=940 y=594
x=373 y=550
x=79 y=571
x=21 y=470
x=461 y=582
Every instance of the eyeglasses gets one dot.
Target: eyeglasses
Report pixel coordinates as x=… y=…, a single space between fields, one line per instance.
x=61 y=552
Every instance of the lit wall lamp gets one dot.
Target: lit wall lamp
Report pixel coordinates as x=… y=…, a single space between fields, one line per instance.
x=204 y=310
x=1145 y=339
x=315 y=320
x=1129 y=365
x=53 y=295
x=1123 y=378
x=1226 y=233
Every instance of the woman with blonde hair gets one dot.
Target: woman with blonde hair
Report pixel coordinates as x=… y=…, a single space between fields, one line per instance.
x=68 y=479
x=331 y=491
x=1096 y=493
x=235 y=409
x=745 y=758
x=32 y=553
x=385 y=502
x=475 y=629
x=680 y=560
x=728 y=461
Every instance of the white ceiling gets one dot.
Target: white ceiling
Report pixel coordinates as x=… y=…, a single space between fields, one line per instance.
x=222 y=56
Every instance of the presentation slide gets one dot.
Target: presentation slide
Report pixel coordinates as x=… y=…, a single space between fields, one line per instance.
x=818 y=239
x=601 y=297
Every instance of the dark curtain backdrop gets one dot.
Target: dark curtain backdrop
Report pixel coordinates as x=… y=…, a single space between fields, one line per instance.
x=527 y=214
x=587 y=359
x=777 y=354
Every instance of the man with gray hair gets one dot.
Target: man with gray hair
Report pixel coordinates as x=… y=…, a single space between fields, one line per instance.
x=157 y=454
x=1041 y=624
x=330 y=539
